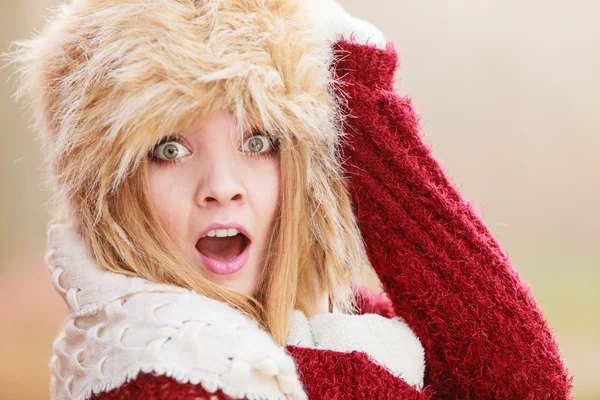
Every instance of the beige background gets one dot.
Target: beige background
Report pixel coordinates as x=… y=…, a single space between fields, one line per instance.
x=509 y=93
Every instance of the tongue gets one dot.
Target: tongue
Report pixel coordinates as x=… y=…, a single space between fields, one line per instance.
x=221 y=249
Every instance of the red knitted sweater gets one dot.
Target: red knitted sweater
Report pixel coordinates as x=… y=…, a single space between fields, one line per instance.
x=446 y=276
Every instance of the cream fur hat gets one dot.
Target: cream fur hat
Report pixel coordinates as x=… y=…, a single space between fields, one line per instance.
x=108 y=79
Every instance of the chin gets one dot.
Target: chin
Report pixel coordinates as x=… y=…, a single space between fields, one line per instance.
x=243 y=280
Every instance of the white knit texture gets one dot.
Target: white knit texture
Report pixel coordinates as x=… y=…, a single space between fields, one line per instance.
x=389 y=342
x=119 y=326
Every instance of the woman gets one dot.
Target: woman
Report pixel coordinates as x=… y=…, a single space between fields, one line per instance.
x=224 y=170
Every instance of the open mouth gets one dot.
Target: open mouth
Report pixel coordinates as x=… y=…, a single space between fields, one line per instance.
x=223 y=255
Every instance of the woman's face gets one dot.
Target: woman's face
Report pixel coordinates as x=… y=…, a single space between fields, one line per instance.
x=207 y=185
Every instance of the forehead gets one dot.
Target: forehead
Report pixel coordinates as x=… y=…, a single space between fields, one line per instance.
x=220 y=124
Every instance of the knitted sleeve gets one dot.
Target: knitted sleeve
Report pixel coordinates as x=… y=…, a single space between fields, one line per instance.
x=159 y=387
x=483 y=333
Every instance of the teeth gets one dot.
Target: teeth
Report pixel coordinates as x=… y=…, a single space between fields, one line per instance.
x=222 y=232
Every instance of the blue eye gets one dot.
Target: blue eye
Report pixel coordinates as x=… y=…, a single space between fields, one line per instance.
x=257 y=144
x=171 y=150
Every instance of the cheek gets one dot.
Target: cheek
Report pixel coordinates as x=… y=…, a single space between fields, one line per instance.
x=265 y=191
x=167 y=193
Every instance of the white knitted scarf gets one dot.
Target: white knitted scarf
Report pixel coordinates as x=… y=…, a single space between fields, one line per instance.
x=119 y=326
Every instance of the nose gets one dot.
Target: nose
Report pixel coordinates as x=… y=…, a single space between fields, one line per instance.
x=221 y=185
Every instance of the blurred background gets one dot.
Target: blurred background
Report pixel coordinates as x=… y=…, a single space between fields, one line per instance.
x=509 y=93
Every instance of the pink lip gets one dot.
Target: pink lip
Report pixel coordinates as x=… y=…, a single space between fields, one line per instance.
x=224 y=268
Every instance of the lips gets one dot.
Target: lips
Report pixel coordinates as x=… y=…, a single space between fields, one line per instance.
x=223 y=255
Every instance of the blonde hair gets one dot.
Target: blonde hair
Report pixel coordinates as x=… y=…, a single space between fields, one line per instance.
x=108 y=79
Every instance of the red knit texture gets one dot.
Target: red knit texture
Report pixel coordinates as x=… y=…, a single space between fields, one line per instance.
x=328 y=374
x=159 y=387
x=368 y=302
x=483 y=333
x=443 y=272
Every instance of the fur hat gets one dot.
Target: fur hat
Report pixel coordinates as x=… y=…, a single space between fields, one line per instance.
x=108 y=79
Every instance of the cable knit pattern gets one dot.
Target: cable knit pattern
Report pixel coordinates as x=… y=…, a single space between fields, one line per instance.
x=327 y=374
x=483 y=333
x=120 y=326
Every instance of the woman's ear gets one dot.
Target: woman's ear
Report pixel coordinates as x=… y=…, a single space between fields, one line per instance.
x=336 y=24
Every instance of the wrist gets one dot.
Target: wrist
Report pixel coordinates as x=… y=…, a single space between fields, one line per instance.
x=368 y=65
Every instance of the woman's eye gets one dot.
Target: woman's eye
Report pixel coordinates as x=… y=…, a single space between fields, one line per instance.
x=257 y=144
x=170 y=151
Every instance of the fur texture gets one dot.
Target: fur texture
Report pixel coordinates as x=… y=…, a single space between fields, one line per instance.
x=109 y=79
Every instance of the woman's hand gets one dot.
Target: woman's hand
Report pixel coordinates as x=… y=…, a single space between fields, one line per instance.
x=337 y=24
